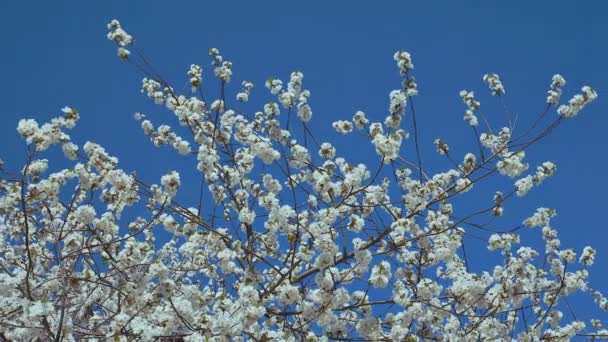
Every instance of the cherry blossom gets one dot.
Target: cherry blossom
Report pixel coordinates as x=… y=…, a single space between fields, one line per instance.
x=290 y=238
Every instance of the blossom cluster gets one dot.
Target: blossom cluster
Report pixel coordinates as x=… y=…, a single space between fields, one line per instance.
x=121 y=37
x=468 y=97
x=577 y=102
x=555 y=92
x=494 y=83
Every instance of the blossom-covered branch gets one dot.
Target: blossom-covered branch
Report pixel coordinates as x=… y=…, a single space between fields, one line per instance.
x=288 y=240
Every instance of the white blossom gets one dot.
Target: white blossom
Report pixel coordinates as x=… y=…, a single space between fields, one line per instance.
x=196 y=76
x=171 y=183
x=494 y=83
x=577 y=102
x=381 y=275
x=342 y=126
x=279 y=235
x=404 y=61
x=84 y=214
x=555 y=92
x=588 y=256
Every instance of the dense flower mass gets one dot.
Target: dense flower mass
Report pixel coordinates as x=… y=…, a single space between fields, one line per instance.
x=287 y=239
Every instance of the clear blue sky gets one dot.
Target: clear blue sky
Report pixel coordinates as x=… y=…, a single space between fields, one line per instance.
x=55 y=53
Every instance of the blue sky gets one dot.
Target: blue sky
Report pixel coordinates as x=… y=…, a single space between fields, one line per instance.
x=55 y=54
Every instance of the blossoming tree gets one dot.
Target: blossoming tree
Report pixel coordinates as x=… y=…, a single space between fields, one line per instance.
x=292 y=241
